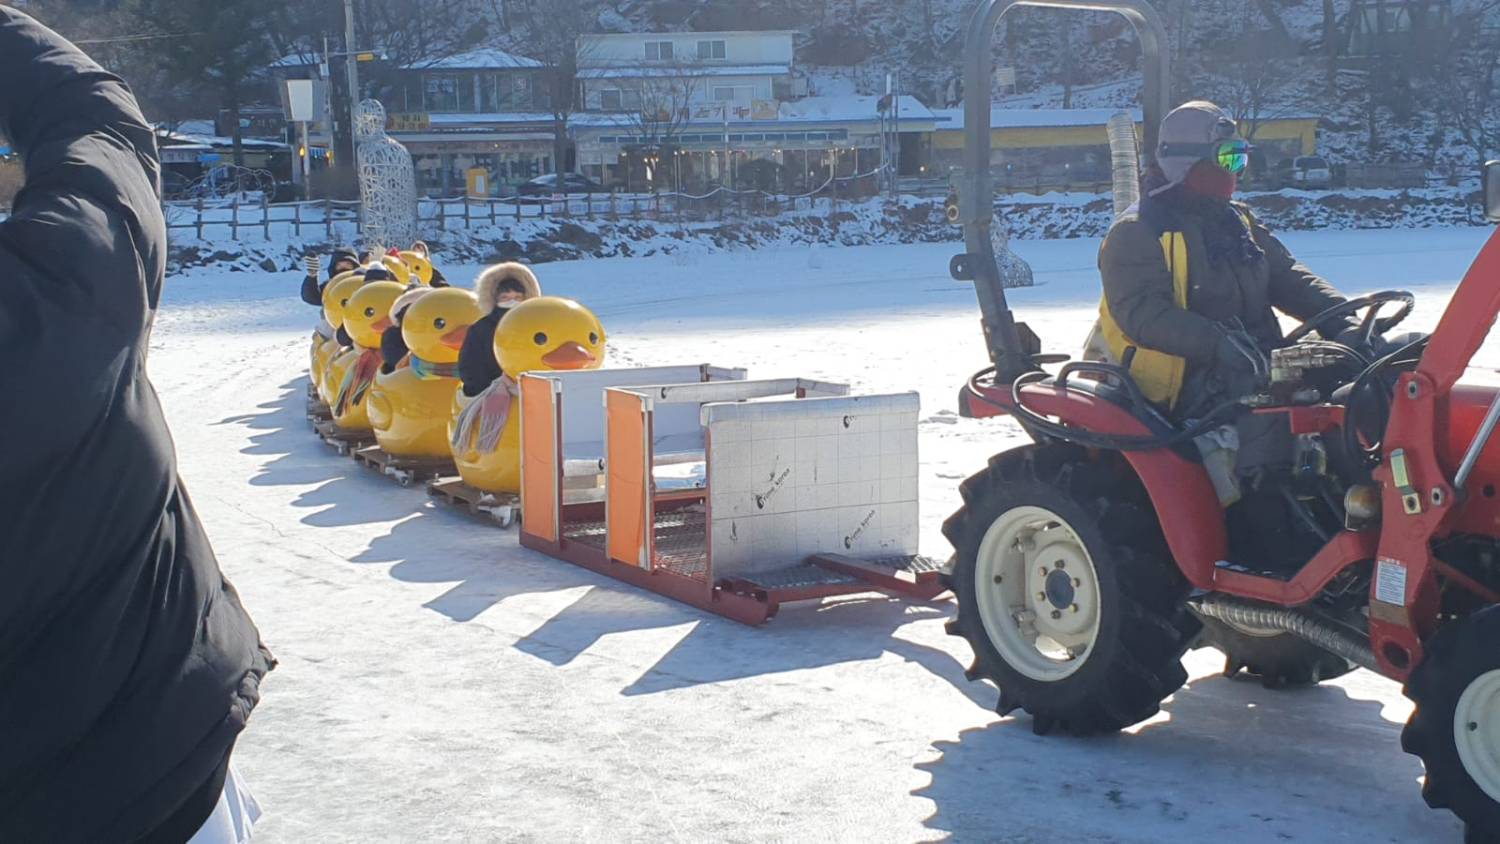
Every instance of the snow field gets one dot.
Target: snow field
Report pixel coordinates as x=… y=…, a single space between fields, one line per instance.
x=438 y=682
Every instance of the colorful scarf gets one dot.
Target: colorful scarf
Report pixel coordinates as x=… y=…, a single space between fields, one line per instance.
x=483 y=421
x=357 y=381
x=427 y=370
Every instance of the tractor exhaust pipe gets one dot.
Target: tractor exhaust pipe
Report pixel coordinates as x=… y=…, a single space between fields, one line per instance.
x=1308 y=626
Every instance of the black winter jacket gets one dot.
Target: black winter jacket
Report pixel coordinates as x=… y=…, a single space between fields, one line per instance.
x=1234 y=274
x=392 y=349
x=127 y=665
x=477 y=366
x=312 y=290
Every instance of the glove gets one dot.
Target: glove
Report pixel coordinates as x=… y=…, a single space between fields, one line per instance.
x=313 y=264
x=1239 y=365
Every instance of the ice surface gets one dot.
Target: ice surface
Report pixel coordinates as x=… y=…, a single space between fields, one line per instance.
x=438 y=682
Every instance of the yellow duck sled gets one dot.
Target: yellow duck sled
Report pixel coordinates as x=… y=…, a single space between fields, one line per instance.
x=366 y=317
x=547 y=333
x=409 y=408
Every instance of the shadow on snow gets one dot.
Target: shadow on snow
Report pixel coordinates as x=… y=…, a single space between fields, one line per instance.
x=1231 y=762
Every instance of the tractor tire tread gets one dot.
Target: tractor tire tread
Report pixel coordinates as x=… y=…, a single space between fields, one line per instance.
x=1451 y=658
x=1280 y=662
x=1153 y=627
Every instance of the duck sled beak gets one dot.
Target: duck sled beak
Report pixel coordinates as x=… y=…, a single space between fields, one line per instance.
x=570 y=355
x=455 y=338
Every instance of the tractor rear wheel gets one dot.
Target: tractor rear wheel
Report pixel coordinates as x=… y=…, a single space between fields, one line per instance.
x=1456 y=726
x=1280 y=660
x=1066 y=591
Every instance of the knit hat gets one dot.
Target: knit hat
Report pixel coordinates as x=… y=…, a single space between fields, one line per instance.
x=379 y=272
x=1186 y=138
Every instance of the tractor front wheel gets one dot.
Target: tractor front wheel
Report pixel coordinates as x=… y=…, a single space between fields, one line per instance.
x=1456 y=726
x=1280 y=660
x=1066 y=592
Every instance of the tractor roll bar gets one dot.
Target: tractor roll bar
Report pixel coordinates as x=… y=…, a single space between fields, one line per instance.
x=977 y=194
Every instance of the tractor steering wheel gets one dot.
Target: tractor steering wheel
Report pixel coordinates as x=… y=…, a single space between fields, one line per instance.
x=1372 y=324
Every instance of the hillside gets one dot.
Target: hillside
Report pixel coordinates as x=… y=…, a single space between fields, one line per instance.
x=1260 y=59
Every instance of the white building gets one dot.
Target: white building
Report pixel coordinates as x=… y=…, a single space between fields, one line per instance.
x=621 y=73
x=697 y=110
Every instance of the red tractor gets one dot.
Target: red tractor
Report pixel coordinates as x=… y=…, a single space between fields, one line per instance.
x=1089 y=562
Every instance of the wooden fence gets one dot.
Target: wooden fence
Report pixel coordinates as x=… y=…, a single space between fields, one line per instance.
x=257 y=216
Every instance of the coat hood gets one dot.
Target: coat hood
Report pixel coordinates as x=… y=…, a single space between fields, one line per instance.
x=487 y=286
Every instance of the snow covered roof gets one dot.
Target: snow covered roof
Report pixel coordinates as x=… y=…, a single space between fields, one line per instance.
x=718 y=33
x=952 y=119
x=641 y=71
x=489 y=118
x=850 y=108
x=193 y=127
x=296 y=60
x=184 y=139
x=809 y=112
x=487 y=58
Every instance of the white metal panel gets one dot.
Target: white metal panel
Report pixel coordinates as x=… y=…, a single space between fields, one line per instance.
x=583 y=401
x=788 y=479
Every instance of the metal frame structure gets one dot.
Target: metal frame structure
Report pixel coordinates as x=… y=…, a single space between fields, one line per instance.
x=977 y=193
x=662 y=539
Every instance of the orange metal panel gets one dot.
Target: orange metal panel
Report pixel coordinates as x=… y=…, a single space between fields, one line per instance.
x=541 y=461
x=627 y=479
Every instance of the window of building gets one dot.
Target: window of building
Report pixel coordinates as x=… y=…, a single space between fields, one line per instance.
x=500 y=94
x=708 y=50
x=630 y=100
x=448 y=94
x=725 y=93
x=609 y=100
x=659 y=51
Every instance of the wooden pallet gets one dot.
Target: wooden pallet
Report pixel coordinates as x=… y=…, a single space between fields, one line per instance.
x=343 y=441
x=500 y=508
x=317 y=411
x=406 y=470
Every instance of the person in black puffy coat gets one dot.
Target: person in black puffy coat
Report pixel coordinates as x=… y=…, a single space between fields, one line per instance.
x=128 y=667
x=341 y=261
x=498 y=288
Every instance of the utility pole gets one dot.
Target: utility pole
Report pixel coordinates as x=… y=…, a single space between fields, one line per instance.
x=351 y=61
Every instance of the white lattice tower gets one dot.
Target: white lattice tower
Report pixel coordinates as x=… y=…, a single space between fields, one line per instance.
x=387 y=181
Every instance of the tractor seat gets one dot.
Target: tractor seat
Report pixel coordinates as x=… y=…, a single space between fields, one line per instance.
x=1106 y=381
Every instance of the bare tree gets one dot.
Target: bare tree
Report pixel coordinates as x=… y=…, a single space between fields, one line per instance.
x=1254 y=80
x=1467 y=87
x=1331 y=46
x=667 y=92
x=555 y=36
x=1279 y=32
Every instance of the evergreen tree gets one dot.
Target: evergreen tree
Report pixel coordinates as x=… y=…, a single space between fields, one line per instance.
x=220 y=46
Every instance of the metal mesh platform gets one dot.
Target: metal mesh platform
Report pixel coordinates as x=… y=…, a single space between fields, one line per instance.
x=682 y=543
x=585 y=533
x=916 y=564
x=799 y=576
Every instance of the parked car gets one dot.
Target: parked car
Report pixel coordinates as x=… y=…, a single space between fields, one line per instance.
x=1306 y=172
x=573 y=183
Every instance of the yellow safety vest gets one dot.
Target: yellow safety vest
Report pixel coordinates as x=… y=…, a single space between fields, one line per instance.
x=1158 y=374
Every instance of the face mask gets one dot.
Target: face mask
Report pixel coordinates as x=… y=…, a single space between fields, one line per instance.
x=1209 y=179
x=510 y=300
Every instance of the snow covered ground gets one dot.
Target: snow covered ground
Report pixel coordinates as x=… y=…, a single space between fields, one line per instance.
x=438 y=682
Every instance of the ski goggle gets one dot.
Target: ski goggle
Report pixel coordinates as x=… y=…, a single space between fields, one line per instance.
x=1233 y=155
